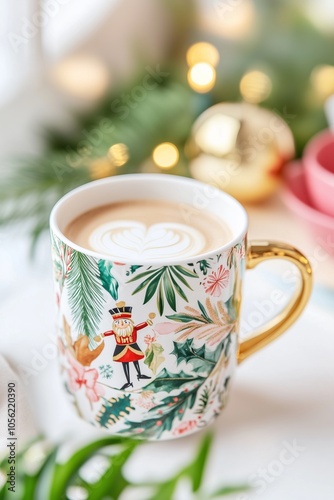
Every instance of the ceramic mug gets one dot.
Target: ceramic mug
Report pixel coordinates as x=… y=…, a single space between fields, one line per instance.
x=172 y=374
x=318 y=160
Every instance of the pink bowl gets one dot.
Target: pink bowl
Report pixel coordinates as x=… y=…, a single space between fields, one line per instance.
x=318 y=160
x=297 y=198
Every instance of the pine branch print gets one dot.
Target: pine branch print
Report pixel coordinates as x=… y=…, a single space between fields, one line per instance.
x=85 y=294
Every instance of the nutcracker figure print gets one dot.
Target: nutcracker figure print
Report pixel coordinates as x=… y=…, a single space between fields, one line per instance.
x=125 y=331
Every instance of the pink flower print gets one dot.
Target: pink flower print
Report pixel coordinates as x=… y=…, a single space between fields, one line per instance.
x=79 y=376
x=146 y=400
x=185 y=427
x=215 y=283
x=164 y=328
x=149 y=339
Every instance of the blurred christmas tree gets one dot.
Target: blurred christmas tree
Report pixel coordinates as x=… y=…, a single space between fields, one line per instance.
x=265 y=53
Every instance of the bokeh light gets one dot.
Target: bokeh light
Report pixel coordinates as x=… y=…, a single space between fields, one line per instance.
x=100 y=168
x=255 y=87
x=218 y=134
x=322 y=80
x=82 y=76
x=227 y=19
x=118 y=154
x=166 y=155
x=202 y=77
x=202 y=52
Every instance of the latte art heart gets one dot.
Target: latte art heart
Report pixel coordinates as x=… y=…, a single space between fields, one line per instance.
x=130 y=239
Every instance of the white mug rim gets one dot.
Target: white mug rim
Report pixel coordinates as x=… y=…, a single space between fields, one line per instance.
x=54 y=226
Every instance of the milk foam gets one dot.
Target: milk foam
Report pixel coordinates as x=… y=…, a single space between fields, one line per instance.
x=128 y=239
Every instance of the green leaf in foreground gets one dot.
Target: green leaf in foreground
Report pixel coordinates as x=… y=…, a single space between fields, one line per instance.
x=49 y=479
x=228 y=490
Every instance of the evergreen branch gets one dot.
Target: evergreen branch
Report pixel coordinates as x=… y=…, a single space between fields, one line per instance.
x=34 y=185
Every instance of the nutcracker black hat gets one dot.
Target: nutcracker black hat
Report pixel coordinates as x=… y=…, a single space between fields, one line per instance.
x=121 y=311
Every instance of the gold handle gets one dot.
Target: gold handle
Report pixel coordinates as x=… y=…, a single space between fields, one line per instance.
x=259 y=252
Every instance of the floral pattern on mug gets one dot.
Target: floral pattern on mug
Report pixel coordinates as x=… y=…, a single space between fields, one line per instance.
x=148 y=350
x=215 y=282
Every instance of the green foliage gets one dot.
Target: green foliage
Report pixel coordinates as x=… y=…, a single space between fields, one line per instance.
x=50 y=479
x=113 y=410
x=63 y=474
x=109 y=282
x=33 y=185
x=85 y=295
x=162 y=417
x=228 y=490
x=164 y=283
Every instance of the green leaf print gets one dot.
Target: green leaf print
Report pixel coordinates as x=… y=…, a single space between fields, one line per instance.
x=202 y=360
x=85 y=294
x=164 y=283
x=154 y=357
x=169 y=291
x=168 y=381
x=109 y=282
x=114 y=410
x=204 y=265
x=182 y=387
x=163 y=416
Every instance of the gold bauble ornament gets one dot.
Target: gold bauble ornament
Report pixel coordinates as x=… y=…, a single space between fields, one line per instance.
x=240 y=148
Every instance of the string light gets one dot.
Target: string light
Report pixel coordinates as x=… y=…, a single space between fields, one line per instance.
x=322 y=80
x=118 y=154
x=100 y=168
x=255 y=86
x=202 y=77
x=202 y=52
x=166 y=155
x=232 y=19
x=82 y=76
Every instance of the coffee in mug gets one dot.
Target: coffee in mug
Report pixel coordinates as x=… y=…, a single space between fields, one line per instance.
x=152 y=229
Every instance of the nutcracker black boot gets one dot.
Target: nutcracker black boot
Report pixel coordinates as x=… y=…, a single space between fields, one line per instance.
x=140 y=376
x=126 y=369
